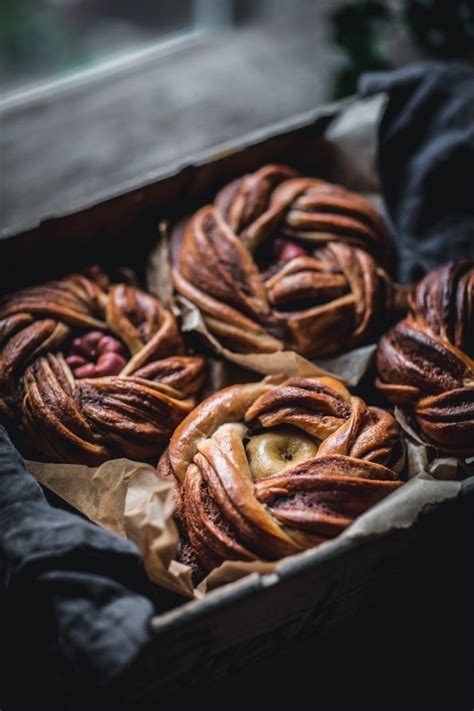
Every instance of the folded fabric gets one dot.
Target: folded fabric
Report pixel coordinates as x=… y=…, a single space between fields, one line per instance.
x=425 y=158
x=73 y=607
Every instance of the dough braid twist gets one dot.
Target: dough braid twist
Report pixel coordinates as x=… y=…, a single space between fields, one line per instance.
x=268 y=469
x=425 y=363
x=123 y=389
x=281 y=260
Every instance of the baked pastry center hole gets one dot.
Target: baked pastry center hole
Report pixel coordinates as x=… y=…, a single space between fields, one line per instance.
x=96 y=354
x=278 y=448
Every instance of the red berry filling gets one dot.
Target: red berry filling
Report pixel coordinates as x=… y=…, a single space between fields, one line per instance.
x=96 y=355
x=283 y=250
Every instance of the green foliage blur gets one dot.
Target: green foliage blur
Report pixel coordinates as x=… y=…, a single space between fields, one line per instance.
x=40 y=38
x=37 y=33
x=358 y=29
x=442 y=29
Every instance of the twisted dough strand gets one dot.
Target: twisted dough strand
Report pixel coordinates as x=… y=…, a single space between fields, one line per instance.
x=425 y=362
x=335 y=298
x=88 y=420
x=229 y=508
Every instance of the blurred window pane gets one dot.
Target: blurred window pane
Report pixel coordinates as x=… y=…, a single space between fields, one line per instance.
x=44 y=39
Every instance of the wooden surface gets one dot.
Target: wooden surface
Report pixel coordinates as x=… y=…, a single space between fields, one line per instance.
x=83 y=141
x=380 y=625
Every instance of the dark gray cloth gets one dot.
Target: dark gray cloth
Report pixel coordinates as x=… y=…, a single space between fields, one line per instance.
x=426 y=162
x=74 y=603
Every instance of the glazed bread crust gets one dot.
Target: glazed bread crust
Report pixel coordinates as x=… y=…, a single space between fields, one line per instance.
x=333 y=294
x=229 y=507
x=425 y=363
x=90 y=419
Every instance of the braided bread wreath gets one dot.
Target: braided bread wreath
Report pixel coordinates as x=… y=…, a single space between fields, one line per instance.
x=425 y=363
x=92 y=370
x=280 y=260
x=268 y=469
